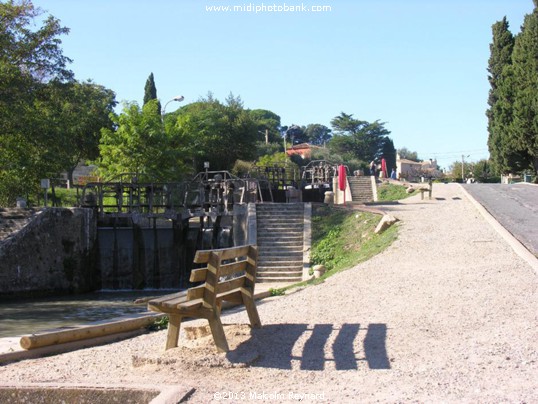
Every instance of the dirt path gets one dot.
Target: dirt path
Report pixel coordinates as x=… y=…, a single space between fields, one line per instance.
x=448 y=313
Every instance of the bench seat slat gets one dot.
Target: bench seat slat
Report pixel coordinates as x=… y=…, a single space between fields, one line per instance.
x=196 y=292
x=232 y=268
x=198 y=275
x=166 y=298
x=235 y=283
x=202 y=256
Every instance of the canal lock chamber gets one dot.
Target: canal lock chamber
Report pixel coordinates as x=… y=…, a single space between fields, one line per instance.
x=137 y=252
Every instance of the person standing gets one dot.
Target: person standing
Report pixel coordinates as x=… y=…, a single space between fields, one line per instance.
x=372 y=168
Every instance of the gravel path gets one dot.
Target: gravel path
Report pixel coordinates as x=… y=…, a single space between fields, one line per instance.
x=447 y=314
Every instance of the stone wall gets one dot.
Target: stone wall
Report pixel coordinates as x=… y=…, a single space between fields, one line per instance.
x=53 y=253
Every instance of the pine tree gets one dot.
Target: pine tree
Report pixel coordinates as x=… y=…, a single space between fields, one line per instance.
x=150 y=91
x=525 y=82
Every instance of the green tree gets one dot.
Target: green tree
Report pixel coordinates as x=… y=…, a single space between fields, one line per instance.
x=525 y=79
x=460 y=174
x=388 y=152
x=407 y=154
x=73 y=114
x=263 y=149
x=356 y=139
x=317 y=134
x=150 y=92
x=500 y=100
x=345 y=124
x=140 y=146
x=483 y=170
x=31 y=59
x=296 y=134
x=267 y=122
x=208 y=130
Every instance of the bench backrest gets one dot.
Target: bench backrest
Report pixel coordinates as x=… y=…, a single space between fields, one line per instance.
x=227 y=271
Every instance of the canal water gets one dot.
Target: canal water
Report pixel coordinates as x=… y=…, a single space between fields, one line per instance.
x=29 y=316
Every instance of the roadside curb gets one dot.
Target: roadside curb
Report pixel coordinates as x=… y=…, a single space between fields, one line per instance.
x=514 y=243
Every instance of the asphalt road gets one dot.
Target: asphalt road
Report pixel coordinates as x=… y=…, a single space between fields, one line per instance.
x=515 y=206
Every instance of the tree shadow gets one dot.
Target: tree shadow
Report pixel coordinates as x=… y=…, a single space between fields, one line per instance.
x=281 y=346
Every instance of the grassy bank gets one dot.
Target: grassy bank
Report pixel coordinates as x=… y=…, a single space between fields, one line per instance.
x=391 y=192
x=342 y=239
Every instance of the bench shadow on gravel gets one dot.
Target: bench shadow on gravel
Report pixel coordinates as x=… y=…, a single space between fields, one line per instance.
x=280 y=345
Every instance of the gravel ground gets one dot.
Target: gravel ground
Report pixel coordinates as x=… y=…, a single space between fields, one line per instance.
x=448 y=313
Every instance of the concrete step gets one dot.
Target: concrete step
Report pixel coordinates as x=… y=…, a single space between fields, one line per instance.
x=287 y=276
x=280 y=261
x=284 y=272
x=275 y=279
x=283 y=207
x=272 y=249
x=280 y=242
x=275 y=263
x=281 y=248
x=281 y=225
x=280 y=218
x=281 y=238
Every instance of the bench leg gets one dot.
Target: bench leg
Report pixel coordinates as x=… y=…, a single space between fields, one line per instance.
x=174 y=324
x=252 y=311
x=218 y=333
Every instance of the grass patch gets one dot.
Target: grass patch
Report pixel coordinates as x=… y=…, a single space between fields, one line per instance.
x=391 y=192
x=159 y=324
x=342 y=239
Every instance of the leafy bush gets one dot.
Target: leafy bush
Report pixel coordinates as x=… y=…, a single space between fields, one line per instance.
x=159 y=324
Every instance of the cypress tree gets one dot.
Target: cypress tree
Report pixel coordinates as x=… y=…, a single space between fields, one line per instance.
x=525 y=80
x=500 y=97
x=389 y=153
x=150 y=91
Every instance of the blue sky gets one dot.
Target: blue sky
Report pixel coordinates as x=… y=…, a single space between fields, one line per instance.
x=418 y=65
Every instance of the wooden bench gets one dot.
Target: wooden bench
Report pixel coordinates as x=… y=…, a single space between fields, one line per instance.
x=423 y=190
x=229 y=275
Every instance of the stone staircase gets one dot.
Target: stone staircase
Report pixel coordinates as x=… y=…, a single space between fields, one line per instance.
x=361 y=189
x=280 y=232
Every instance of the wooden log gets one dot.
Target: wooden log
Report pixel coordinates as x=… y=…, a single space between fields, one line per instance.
x=85 y=332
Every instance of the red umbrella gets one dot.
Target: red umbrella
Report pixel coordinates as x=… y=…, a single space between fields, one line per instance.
x=342 y=183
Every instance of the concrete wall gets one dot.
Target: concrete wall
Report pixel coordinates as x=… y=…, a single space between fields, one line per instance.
x=51 y=254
